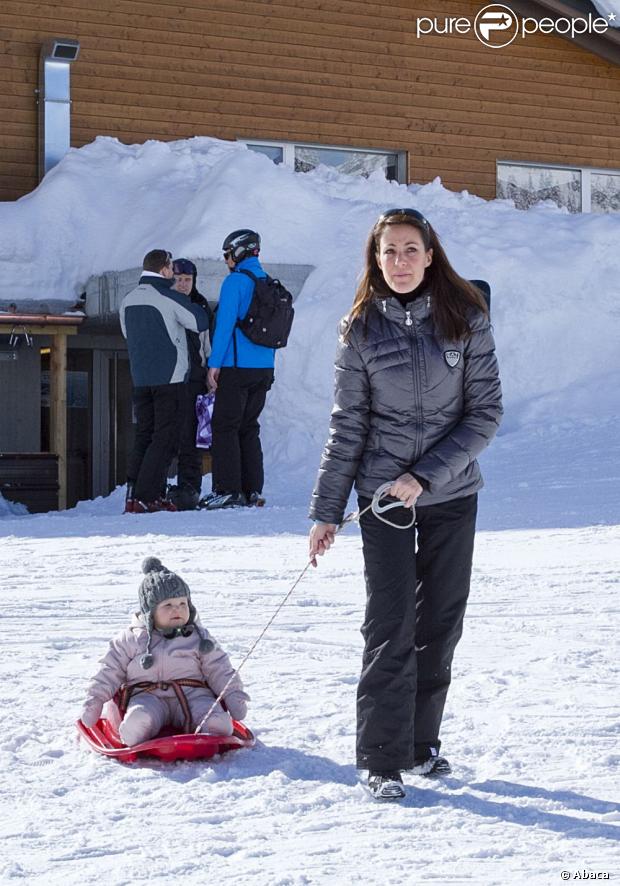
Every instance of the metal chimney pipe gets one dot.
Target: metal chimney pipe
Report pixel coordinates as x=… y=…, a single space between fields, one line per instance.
x=54 y=98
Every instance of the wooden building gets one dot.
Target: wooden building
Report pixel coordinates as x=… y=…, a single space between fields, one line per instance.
x=347 y=73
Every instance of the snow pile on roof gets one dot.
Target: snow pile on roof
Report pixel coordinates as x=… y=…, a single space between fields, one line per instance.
x=106 y=204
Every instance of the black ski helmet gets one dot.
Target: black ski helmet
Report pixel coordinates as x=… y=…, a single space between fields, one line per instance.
x=241 y=244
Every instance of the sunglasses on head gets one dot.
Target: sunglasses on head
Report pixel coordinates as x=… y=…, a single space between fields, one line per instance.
x=410 y=213
x=183 y=266
x=227 y=254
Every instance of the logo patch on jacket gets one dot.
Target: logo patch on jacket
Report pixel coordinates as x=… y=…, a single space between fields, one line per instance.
x=452 y=358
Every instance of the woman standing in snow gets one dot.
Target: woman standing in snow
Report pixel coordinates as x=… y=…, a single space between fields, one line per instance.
x=417 y=398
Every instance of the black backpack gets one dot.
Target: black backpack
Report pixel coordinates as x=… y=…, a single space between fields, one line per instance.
x=270 y=315
x=485 y=289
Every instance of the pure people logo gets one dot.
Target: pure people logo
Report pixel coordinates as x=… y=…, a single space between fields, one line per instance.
x=497 y=26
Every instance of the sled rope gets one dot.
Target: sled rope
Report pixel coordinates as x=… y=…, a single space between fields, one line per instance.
x=354 y=517
x=253 y=646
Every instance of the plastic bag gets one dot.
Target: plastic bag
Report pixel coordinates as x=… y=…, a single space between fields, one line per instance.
x=204 y=414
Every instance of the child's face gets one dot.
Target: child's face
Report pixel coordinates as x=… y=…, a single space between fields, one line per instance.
x=171 y=613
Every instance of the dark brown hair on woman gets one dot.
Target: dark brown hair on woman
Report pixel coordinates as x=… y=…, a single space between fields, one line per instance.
x=452 y=297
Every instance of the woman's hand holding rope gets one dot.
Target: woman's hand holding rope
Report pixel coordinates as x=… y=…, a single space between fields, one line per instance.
x=322 y=537
x=405 y=488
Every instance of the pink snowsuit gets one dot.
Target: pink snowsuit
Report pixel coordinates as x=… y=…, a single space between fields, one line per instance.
x=173 y=659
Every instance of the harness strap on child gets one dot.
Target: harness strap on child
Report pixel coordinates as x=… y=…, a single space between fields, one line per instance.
x=128 y=689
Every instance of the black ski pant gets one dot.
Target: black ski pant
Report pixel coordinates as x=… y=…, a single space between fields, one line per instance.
x=414 y=619
x=156 y=439
x=237 y=457
x=189 y=471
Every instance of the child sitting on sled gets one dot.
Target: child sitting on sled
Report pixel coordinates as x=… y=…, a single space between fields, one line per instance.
x=173 y=669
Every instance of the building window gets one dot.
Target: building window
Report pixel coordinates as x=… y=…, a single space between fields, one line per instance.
x=274 y=152
x=304 y=158
x=528 y=185
x=605 y=191
x=362 y=163
x=577 y=188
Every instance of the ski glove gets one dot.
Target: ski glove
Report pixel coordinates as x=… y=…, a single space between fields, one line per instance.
x=91 y=713
x=237 y=705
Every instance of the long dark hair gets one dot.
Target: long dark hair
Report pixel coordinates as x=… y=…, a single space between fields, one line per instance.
x=451 y=295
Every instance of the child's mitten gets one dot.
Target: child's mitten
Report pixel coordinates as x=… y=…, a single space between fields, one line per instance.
x=91 y=713
x=236 y=704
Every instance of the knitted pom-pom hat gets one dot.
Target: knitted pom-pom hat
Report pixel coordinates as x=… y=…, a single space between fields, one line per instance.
x=160 y=584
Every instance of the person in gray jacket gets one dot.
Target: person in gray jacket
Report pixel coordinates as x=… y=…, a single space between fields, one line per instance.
x=417 y=399
x=154 y=319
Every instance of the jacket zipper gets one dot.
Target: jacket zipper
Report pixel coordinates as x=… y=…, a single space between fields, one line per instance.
x=415 y=365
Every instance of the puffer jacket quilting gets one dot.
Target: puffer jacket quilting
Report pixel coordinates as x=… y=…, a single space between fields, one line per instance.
x=408 y=400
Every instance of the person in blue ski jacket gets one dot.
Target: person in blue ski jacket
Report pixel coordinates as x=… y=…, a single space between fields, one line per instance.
x=241 y=373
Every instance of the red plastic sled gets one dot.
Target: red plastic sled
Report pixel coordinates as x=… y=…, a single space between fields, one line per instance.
x=104 y=739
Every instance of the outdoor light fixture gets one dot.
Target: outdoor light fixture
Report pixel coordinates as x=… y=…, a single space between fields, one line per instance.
x=54 y=98
x=67 y=50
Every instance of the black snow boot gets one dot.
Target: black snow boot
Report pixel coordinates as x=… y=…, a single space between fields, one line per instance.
x=386 y=785
x=185 y=497
x=216 y=500
x=432 y=766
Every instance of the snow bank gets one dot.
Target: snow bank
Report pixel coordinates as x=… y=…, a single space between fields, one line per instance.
x=553 y=275
x=106 y=204
x=554 y=310
x=10 y=509
x=530 y=726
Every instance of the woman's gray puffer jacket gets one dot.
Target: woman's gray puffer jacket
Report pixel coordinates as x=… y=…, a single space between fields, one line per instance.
x=407 y=400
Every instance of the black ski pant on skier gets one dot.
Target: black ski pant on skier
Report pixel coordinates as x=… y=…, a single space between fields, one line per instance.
x=189 y=470
x=156 y=410
x=416 y=601
x=237 y=456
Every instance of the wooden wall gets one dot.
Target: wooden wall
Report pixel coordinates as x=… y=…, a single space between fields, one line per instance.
x=345 y=72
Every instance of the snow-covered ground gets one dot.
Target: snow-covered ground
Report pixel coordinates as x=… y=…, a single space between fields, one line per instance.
x=532 y=723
